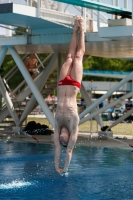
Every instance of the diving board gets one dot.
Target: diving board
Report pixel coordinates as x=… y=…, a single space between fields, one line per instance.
x=100 y=7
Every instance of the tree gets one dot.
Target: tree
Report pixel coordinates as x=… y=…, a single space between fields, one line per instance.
x=107 y=64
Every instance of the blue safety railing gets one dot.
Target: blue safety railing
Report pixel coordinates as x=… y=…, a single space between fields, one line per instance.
x=99 y=6
x=105 y=72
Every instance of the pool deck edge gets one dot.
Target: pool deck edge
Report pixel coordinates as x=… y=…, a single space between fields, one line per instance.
x=84 y=139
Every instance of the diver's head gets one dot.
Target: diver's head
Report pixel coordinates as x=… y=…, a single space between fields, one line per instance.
x=64 y=136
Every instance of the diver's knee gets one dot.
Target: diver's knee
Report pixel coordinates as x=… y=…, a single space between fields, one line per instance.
x=79 y=56
x=70 y=57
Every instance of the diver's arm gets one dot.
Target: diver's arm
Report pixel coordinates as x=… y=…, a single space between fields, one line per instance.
x=57 y=151
x=68 y=159
x=69 y=152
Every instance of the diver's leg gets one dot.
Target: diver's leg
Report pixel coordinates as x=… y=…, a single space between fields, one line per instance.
x=76 y=71
x=66 y=68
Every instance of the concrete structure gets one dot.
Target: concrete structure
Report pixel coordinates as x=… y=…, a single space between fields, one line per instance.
x=48 y=30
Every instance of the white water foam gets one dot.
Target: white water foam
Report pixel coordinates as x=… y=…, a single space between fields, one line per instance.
x=15 y=184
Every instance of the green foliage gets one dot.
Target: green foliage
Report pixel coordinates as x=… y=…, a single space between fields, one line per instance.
x=17 y=78
x=92 y=63
x=96 y=63
x=20 y=31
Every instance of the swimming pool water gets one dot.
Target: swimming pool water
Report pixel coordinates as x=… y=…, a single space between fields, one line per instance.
x=27 y=173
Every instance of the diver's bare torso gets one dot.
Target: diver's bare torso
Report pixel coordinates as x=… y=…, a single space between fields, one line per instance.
x=32 y=63
x=66 y=112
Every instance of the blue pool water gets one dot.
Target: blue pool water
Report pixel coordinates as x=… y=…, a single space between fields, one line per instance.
x=27 y=173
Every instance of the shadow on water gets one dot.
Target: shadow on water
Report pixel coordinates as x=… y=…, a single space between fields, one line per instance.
x=27 y=173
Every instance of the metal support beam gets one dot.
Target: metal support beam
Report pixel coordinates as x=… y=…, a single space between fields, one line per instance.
x=106 y=107
x=24 y=93
x=41 y=82
x=101 y=99
x=84 y=17
x=39 y=60
x=121 y=118
x=2 y=54
x=27 y=90
x=89 y=102
x=32 y=85
x=47 y=4
x=8 y=102
x=98 y=18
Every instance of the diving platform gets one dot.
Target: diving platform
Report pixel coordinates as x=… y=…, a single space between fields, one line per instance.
x=49 y=31
x=100 y=7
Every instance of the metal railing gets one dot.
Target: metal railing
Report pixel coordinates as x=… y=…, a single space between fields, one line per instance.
x=98 y=18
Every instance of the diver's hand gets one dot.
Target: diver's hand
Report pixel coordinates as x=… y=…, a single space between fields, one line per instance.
x=59 y=170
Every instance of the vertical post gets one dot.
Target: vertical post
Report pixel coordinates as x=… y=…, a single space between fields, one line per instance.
x=113 y=3
x=117 y=2
x=91 y=22
x=84 y=16
x=38 y=8
x=98 y=18
x=60 y=6
x=125 y=4
x=47 y=4
x=27 y=2
x=8 y=30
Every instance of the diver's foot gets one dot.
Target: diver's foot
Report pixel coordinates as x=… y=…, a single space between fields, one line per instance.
x=76 y=24
x=81 y=23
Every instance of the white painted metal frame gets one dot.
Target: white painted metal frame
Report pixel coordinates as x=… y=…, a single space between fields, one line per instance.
x=31 y=84
x=88 y=102
x=38 y=83
x=42 y=80
x=101 y=99
x=9 y=103
x=101 y=110
x=120 y=119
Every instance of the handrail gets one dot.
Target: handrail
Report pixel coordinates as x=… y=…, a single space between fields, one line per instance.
x=97 y=6
x=59 y=7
